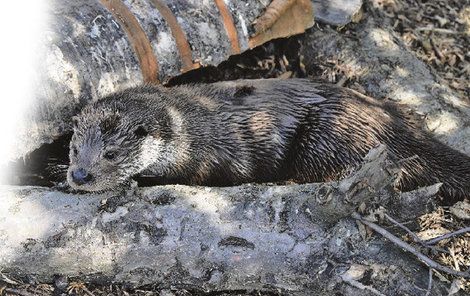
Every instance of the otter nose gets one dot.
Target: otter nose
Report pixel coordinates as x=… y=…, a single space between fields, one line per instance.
x=81 y=176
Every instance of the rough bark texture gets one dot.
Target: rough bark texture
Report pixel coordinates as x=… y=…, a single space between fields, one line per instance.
x=290 y=238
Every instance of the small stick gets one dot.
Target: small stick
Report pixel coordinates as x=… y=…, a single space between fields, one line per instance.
x=429 y=262
x=428 y=292
x=8 y=280
x=85 y=289
x=437 y=50
x=438 y=30
x=435 y=240
x=411 y=233
x=415 y=238
x=361 y=286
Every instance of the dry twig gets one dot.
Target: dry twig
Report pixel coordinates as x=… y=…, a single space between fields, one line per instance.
x=397 y=241
x=438 y=30
x=7 y=280
x=435 y=240
x=415 y=238
x=361 y=286
x=428 y=291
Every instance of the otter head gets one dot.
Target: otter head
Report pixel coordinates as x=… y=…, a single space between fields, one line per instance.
x=111 y=143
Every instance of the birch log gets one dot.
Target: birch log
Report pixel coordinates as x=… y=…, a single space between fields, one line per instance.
x=248 y=237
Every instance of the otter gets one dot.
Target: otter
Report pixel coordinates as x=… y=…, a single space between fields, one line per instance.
x=265 y=130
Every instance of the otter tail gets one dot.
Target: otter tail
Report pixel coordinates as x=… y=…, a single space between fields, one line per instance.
x=435 y=162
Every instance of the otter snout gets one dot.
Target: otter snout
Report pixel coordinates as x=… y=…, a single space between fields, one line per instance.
x=81 y=176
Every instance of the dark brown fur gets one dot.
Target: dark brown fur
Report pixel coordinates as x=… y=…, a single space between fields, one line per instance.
x=262 y=130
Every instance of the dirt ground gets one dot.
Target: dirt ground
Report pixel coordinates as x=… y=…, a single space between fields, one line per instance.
x=437 y=31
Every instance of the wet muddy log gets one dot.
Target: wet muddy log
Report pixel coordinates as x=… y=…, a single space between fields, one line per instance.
x=294 y=238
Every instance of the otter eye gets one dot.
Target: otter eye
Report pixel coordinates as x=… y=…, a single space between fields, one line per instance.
x=74 y=150
x=110 y=155
x=140 y=131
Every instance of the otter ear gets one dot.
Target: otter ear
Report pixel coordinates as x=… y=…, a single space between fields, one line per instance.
x=111 y=122
x=141 y=131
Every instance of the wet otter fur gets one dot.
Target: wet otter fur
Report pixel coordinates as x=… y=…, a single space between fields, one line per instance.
x=233 y=132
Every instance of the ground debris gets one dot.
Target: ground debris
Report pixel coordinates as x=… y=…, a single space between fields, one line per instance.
x=437 y=31
x=454 y=251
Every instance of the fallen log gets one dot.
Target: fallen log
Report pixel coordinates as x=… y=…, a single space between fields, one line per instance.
x=258 y=237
